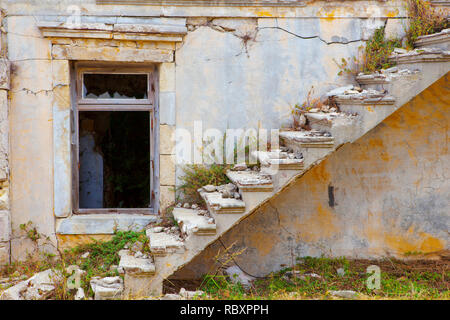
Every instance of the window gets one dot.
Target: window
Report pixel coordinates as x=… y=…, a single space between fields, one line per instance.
x=114 y=147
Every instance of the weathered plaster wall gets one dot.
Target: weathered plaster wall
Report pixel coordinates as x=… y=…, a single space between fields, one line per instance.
x=31 y=131
x=228 y=72
x=5 y=217
x=389 y=197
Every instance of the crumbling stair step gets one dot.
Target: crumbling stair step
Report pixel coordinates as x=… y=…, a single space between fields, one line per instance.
x=251 y=181
x=421 y=55
x=220 y=205
x=191 y=222
x=162 y=243
x=280 y=159
x=308 y=139
x=133 y=265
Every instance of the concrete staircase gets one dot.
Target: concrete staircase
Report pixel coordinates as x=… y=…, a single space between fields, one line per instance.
x=360 y=110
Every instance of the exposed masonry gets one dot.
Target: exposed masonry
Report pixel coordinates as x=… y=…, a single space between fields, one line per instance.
x=247 y=29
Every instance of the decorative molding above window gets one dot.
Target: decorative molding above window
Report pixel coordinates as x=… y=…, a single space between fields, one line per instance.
x=120 y=31
x=210 y=3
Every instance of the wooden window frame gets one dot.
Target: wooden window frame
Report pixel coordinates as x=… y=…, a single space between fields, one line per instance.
x=81 y=104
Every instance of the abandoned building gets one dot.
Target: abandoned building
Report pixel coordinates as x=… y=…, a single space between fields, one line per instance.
x=95 y=96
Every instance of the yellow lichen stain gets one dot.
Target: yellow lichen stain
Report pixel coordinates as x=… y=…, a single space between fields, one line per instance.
x=385 y=156
x=321 y=173
x=376 y=143
x=262 y=13
x=391 y=14
x=369 y=109
x=388 y=238
x=424 y=243
x=262 y=242
x=68 y=241
x=319 y=225
x=430 y=244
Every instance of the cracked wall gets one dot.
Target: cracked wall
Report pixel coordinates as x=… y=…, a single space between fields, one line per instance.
x=236 y=68
x=390 y=194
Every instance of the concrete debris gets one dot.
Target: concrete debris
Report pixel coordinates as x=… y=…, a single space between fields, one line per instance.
x=419 y=51
x=80 y=294
x=346 y=294
x=400 y=50
x=227 y=190
x=136 y=264
x=246 y=178
x=209 y=188
x=194 y=206
x=186 y=205
x=223 y=205
x=157 y=229
x=85 y=255
x=164 y=243
x=171 y=296
x=38 y=287
x=339 y=91
x=190 y=222
x=190 y=294
x=239 y=167
x=238 y=276
x=108 y=288
x=302 y=276
x=137 y=246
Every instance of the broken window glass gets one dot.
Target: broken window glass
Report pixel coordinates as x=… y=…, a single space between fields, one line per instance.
x=114 y=86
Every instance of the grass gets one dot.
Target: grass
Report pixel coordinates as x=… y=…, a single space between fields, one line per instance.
x=399 y=280
x=423 y=20
x=196 y=176
x=102 y=255
x=373 y=57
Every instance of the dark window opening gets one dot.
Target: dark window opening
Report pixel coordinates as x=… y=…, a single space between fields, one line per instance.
x=114 y=159
x=114 y=86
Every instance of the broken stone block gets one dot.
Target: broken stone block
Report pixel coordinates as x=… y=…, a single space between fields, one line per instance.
x=133 y=264
x=80 y=294
x=164 y=243
x=190 y=294
x=346 y=294
x=171 y=296
x=209 y=188
x=157 y=229
x=38 y=287
x=251 y=180
x=339 y=91
x=137 y=246
x=191 y=222
x=220 y=205
x=108 y=288
x=239 y=167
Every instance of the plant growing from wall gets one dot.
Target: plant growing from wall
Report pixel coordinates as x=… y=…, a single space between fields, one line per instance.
x=373 y=57
x=196 y=176
x=423 y=20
